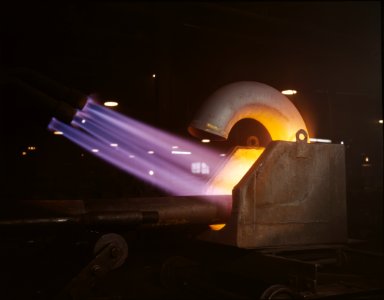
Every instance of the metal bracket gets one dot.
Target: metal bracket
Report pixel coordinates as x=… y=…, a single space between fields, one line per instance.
x=301 y=140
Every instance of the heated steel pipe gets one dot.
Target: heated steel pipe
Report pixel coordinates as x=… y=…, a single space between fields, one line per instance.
x=247 y=99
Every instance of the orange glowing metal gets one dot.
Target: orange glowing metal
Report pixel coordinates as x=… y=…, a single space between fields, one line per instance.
x=240 y=161
x=217 y=227
x=278 y=125
x=237 y=164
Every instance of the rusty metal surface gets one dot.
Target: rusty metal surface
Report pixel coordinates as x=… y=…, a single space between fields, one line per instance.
x=293 y=195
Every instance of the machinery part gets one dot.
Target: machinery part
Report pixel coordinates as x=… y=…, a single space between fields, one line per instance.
x=152 y=211
x=111 y=252
x=294 y=194
x=247 y=99
x=302 y=135
x=277 y=291
x=89 y=219
x=118 y=251
x=173 y=210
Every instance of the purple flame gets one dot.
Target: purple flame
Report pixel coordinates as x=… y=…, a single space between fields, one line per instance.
x=141 y=150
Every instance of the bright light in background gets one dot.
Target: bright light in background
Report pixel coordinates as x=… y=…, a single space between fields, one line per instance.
x=150 y=172
x=114 y=145
x=31 y=148
x=151 y=152
x=315 y=140
x=153 y=75
x=342 y=142
x=56 y=132
x=366 y=159
x=289 y=92
x=222 y=154
x=111 y=103
x=199 y=168
x=23 y=153
x=175 y=147
x=95 y=150
x=205 y=141
x=381 y=121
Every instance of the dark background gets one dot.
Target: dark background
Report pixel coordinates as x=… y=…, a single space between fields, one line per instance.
x=330 y=52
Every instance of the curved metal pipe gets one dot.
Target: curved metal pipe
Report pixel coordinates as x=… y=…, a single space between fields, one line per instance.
x=247 y=99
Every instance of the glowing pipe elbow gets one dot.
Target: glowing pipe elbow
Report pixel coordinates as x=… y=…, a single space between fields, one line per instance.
x=247 y=99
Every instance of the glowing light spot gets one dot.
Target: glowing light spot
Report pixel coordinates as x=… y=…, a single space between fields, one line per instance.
x=83 y=121
x=151 y=152
x=111 y=103
x=222 y=154
x=289 y=92
x=181 y=152
x=235 y=167
x=217 y=227
x=131 y=156
x=175 y=147
x=381 y=121
x=114 y=145
x=31 y=148
x=366 y=159
x=342 y=142
x=95 y=150
x=153 y=75
x=23 y=153
x=56 y=132
x=301 y=137
x=205 y=141
x=151 y=173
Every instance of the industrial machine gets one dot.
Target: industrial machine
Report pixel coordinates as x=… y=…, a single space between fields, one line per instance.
x=283 y=206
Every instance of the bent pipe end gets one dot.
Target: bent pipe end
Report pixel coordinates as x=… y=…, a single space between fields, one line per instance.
x=247 y=99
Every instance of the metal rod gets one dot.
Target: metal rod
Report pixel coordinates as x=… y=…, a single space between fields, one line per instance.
x=160 y=211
